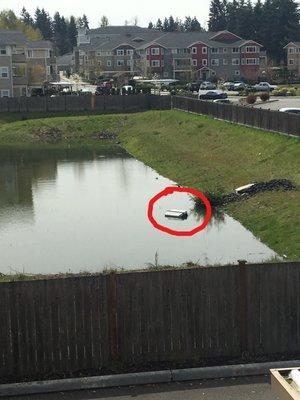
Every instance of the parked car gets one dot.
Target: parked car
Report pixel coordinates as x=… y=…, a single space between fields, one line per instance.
x=239 y=85
x=207 y=86
x=291 y=110
x=211 y=95
x=193 y=86
x=37 y=92
x=223 y=101
x=228 y=86
x=264 y=87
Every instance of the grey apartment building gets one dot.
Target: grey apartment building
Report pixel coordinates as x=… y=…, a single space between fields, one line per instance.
x=131 y=50
x=24 y=64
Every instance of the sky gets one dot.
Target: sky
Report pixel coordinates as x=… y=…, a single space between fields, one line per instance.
x=117 y=11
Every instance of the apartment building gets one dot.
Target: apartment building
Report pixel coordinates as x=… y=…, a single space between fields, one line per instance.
x=131 y=50
x=24 y=65
x=293 y=57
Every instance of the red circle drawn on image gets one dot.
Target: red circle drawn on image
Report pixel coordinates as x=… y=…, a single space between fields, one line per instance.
x=170 y=190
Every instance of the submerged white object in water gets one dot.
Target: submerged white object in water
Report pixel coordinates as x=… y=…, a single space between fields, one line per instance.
x=176 y=214
x=241 y=189
x=295 y=376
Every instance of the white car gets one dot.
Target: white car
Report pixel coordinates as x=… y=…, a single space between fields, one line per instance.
x=291 y=110
x=264 y=86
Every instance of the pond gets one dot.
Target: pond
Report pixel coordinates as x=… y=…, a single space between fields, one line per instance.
x=86 y=211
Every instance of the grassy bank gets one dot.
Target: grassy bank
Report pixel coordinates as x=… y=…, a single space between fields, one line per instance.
x=196 y=151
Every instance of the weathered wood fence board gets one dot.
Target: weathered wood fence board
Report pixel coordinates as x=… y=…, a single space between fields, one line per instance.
x=265 y=119
x=130 y=103
x=199 y=315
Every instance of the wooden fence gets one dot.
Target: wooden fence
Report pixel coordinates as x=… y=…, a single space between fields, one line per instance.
x=100 y=104
x=256 y=117
x=197 y=316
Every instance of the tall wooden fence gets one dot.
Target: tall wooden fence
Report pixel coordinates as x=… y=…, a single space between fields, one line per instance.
x=109 y=104
x=60 y=327
x=256 y=117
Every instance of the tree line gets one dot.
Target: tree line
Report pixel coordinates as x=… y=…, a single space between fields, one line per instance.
x=170 y=24
x=272 y=23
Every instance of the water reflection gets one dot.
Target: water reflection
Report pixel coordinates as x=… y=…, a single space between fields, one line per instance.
x=82 y=210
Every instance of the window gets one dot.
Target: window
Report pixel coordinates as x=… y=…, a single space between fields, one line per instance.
x=236 y=72
x=204 y=62
x=147 y=52
x=235 y=50
x=148 y=63
x=251 y=49
x=108 y=63
x=235 y=61
x=129 y=52
x=204 y=50
x=174 y=51
x=99 y=53
x=120 y=52
x=5 y=93
x=120 y=63
x=128 y=63
x=215 y=50
x=108 y=53
x=252 y=61
x=194 y=50
x=215 y=62
x=155 y=63
x=155 y=51
x=213 y=73
x=194 y=63
x=291 y=61
x=225 y=50
x=3 y=72
x=48 y=70
x=3 y=51
x=225 y=61
x=291 y=50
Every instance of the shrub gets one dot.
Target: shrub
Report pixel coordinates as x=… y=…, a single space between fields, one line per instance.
x=251 y=99
x=265 y=96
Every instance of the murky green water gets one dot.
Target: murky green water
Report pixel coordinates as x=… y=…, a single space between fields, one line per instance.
x=85 y=211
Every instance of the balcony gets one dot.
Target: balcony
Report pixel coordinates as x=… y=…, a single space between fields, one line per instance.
x=18 y=58
x=20 y=80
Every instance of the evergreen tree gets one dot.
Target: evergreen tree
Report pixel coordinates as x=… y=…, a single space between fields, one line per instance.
x=232 y=16
x=26 y=17
x=104 y=21
x=172 y=26
x=195 y=25
x=245 y=22
x=217 y=16
x=187 y=24
x=43 y=23
x=150 y=25
x=257 y=20
x=159 y=25
x=72 y=32
x=60 y=34
x=166 y=26
x=85 y=22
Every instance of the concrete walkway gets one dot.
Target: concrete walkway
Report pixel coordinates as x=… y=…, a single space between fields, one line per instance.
x=249 y=388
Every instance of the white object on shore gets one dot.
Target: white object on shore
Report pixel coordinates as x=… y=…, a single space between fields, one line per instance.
x=295 y=376
x=242 y=189
x=176 y=214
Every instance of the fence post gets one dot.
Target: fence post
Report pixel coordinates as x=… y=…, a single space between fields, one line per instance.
x=243 y=307
x=112 y=316
x=93 y=97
